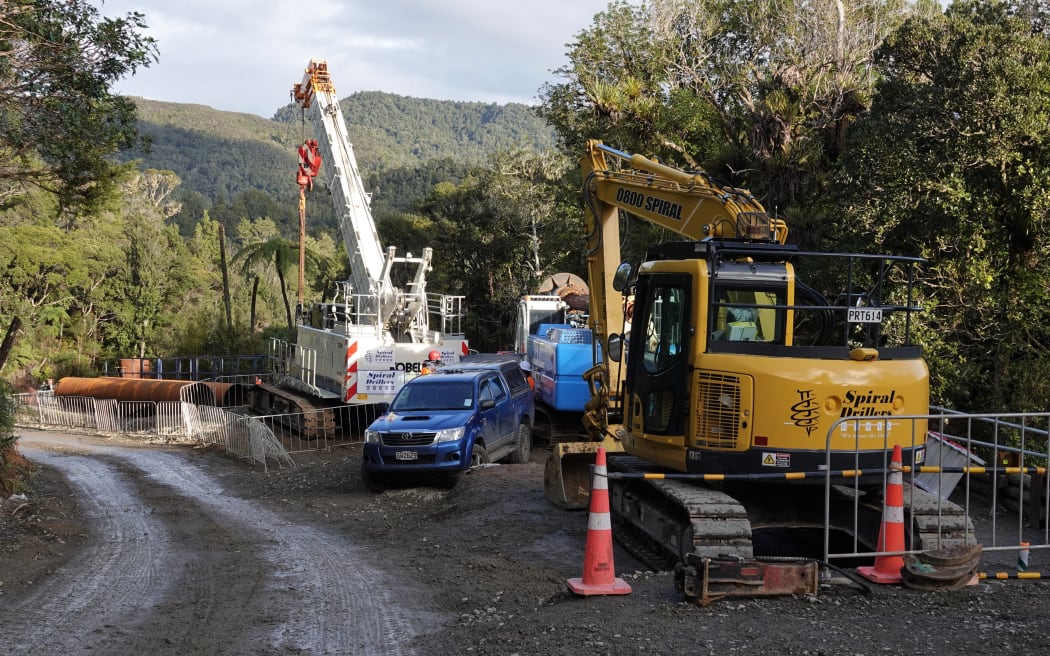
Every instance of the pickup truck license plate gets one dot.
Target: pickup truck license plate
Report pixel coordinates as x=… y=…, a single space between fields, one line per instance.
x=406 y=455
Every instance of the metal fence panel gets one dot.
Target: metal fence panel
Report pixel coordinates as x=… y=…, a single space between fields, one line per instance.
x=990 y=469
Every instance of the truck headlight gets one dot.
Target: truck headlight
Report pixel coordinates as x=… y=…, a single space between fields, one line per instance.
x=371 y=435
x=449 y=434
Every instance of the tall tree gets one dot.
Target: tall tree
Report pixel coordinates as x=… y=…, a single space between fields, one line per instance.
x=221 y=238
x=531 y=184
x=282 y=255
x=758 y=92
x=965 y=182
x=58 y=59
x=277 y=252
x=487 y=232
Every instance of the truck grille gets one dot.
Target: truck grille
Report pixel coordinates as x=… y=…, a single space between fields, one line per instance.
x=718 y=419
x=407 y=439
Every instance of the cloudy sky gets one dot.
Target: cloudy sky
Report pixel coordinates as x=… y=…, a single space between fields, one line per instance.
x=244 y=55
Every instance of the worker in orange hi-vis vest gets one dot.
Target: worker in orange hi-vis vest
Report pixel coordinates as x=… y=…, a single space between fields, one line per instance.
x=432 y=362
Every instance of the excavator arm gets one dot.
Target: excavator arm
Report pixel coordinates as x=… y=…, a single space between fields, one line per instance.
x=692 y=205
x=689 y=204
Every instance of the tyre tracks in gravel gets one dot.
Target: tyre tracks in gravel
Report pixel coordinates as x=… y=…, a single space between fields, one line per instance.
x=117 y=572
x=175 y=565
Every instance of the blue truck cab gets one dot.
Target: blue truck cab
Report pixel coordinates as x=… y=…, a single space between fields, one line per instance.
x=441 y=424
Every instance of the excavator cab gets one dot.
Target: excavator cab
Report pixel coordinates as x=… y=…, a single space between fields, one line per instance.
x=748 y=306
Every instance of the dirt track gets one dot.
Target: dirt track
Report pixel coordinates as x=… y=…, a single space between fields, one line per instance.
x=124 y=548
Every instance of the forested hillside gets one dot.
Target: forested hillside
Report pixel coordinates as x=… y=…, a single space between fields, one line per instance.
x=229 y=163
x=899 y=127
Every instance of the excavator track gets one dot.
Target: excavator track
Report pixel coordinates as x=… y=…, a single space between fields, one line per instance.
x=673 y=518
x=660 y=522
x=936 y=523
x=310 y=420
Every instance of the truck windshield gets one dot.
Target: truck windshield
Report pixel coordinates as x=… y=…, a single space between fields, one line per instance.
x=434 y=395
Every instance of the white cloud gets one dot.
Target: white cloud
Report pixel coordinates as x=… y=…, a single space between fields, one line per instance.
x=244 y=55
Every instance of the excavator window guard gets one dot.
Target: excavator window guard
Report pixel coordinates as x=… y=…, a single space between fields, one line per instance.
x=751 y=310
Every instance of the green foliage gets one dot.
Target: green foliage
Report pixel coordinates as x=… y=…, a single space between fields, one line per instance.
x=965 y=182
x=238 y=166
x=757 y=92
x=206 y=333
x=60 y=120
x=7 y=418
x=56 y=279
x=392 y=131
x=496 y=234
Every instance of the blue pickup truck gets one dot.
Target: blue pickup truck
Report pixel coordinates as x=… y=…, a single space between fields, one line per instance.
x=439 y=425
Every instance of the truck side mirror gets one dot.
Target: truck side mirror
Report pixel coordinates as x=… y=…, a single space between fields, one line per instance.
x=615 y=349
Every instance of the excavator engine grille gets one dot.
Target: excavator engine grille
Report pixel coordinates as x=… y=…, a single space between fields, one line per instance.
x=718 y=401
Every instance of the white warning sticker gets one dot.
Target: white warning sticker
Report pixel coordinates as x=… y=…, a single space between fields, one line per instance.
x=776 y=459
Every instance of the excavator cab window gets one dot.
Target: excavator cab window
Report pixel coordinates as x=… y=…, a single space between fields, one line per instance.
x=665 y=328
x=748 y=314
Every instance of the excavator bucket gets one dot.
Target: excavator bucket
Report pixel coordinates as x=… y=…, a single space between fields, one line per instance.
x=568 y=473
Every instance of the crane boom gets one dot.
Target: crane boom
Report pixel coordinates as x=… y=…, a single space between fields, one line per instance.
x=369 y=263
x=373 y=336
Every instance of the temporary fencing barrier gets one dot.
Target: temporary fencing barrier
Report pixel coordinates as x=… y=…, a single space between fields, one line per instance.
x=1006 y=502
x=1012 y=496
x=259 y=439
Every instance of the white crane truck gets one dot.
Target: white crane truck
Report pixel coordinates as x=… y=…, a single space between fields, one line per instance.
x=360 y=347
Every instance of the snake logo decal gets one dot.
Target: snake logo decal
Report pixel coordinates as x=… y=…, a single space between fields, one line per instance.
x=806 y=412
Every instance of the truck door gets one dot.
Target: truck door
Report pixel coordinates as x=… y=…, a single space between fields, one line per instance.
x=488 y=390
x=507 y=416
x=658 y=361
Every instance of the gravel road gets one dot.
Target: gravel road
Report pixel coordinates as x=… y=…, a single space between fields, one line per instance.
x=122 y=548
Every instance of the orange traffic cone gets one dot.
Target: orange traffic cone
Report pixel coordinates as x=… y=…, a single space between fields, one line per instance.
x=598 y=570
x=887 y=569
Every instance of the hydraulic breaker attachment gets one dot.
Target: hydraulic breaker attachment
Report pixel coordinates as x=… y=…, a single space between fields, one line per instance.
x=704 y=580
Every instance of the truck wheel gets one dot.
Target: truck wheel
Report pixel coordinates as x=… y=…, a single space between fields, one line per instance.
x=521 y=454
x=478 y=455
x=374 y=482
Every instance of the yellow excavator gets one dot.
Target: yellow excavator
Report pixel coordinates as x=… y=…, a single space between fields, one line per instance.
x=714 y=357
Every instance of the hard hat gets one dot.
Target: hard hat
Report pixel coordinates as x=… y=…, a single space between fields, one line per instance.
x=525 y=366
x=434 y=355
